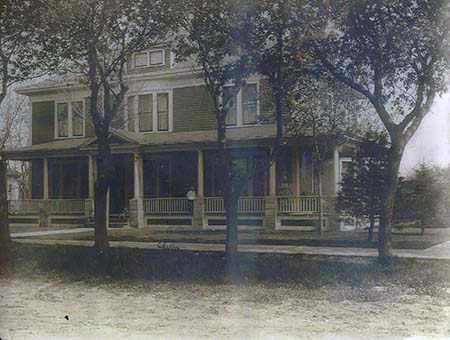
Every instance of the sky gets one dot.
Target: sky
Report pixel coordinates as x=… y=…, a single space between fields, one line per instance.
x=431 y=143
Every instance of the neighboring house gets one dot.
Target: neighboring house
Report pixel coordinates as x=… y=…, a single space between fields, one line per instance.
x=164 y=142
x=13 y=186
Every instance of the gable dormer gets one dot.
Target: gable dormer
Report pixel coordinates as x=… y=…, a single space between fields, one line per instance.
x=151 y=60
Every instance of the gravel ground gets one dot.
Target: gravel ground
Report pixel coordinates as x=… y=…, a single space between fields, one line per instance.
x=36 y=309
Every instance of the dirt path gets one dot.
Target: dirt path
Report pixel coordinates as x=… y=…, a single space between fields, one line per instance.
x=34 y=308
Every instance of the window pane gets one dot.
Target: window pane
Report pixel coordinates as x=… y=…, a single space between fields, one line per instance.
x=249 y=103
x=131 y=113
x=140 y=59
x=156 y=58
x=145 y=111
x=232 y=113
x=77 y=118
x=163 y=112
x=63 y=116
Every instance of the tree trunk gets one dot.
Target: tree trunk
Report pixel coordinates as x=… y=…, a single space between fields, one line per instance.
x=5 y=236
x=371 y=226
x=385 y=253
x=105 y=170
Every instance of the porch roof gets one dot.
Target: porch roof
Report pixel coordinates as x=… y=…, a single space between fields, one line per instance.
x=58 y=147
x=125 y=141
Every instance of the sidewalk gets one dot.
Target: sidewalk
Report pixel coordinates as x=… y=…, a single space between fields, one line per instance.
x=50 y=232
x=438 y=252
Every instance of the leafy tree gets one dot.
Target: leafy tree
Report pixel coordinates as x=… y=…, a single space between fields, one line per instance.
x=419 y=197
x=362 y=186
x=217 y=35
x=21 y=58
x=96 y=38
x=396 y=54
x=327 y=113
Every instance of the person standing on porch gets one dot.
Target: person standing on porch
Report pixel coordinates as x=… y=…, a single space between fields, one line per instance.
x=191 y=196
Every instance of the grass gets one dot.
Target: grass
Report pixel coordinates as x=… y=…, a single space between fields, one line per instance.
x=166 y=265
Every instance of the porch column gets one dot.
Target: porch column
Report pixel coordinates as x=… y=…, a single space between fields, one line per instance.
x=137 y=202
x=295 y=171
x=45 y=195
x=198 y=215
x=336 y=170
x=89 y=202
x=270 y=219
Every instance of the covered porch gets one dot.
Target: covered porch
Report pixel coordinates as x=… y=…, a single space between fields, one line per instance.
x=151 y=187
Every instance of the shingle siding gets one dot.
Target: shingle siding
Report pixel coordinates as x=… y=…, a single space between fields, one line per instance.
x=192 y=109
x=43 y=122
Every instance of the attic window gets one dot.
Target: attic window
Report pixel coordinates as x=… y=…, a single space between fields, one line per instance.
x=140 y=59
x=148 y=58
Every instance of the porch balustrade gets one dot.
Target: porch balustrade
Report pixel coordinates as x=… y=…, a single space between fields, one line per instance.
x=246 y=205
x=298 y=204
x=67 y=206
x=168 y=205
x=29 y=206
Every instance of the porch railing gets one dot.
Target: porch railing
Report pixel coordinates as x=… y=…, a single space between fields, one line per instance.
x=298 y=204
x=67 y=206
x=28 y=206
x=168 y=205
x=246 y=205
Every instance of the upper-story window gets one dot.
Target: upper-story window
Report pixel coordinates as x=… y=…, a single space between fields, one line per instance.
x=345 y=164
x=149 y=58
x=150 y=112
x=69 y=119
x=244 y=109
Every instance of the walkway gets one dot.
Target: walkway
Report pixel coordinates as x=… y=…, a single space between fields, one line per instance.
x=50 y=232
x=439 y=252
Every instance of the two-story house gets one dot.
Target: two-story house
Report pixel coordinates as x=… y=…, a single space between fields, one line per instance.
x=163 y=143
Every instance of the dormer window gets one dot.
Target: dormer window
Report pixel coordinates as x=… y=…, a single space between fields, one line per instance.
x=69 y=119
x=149 y=58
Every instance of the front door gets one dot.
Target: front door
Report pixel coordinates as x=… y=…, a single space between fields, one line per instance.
x=121 y=188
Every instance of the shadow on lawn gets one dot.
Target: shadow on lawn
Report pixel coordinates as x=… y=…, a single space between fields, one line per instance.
x=169 y=265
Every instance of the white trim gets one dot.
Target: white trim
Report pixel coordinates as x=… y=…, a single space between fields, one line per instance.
x=154 y=112
x=69 y=118
x=148 y=63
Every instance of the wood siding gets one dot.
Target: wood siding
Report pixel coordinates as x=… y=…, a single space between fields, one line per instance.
x=192 y=109
x=43 y=122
